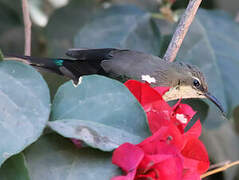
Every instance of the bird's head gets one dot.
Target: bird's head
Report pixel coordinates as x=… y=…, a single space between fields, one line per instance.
x=187 y=81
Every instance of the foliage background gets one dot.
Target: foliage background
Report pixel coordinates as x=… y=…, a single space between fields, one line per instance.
x=212 y=44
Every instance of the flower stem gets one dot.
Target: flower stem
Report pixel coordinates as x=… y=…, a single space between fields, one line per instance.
x=223 y=168
x=181 y=30
x=27 y=25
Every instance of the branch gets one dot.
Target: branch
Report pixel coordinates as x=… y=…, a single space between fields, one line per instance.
x=27 y=27
x=218 y=165
x=225 y=167
x=181 y=30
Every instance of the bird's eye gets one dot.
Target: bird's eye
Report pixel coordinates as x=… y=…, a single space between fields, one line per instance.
x=196 y=83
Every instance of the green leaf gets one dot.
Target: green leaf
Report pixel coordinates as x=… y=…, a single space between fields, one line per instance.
x=100 y=111
x=10 y=14
x=212 y=44
x=120 y=27
x=14 y=169
x=64 y=24
x=149 y=5
x=24 y=107
x=224 y=43
x=11 y=27
x=196 y=49
x=214 y=50
x=222 y=145
x=53 y=157
x=60 y=31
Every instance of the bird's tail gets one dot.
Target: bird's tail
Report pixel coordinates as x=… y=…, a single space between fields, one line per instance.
x=72 y=69
x=34 y=61
x=45 y=64
x=24 y=59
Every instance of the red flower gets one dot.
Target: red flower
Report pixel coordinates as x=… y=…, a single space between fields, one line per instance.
x=150 y=159
x=78 y=143
x=169 y=153
x=159 y=113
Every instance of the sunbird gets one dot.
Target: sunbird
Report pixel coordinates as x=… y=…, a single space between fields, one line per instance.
x=185 y=80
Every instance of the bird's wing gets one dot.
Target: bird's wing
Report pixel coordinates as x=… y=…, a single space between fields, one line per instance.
x=137 y=65
x=90 y=54
x=124 y=64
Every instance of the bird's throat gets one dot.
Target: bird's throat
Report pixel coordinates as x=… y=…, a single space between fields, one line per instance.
x=184 y=92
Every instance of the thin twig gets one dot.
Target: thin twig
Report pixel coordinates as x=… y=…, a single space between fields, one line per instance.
x=181 y=30
x=27 y=27
x=218 y=165
x=219 y=169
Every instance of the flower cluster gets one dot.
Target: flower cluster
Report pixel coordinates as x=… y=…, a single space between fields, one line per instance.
x=170 y=153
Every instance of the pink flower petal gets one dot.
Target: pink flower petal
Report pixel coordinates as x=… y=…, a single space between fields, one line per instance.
x=143 y=92
x=129 y=176
x=195 y=155
x=166 y=163
x=195 y=130
x=191 y=175
x=157 y=119
x=127 y=156
x=162 y=90
x=169 y=134
x=188 y=113
x=77 y=143
x=171 y=168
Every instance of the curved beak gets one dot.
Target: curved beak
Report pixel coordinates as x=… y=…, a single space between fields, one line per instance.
x=215 y=101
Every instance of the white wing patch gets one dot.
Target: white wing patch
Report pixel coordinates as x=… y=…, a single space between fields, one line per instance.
x=79 y=82
x=181 y=118
x=148 y=79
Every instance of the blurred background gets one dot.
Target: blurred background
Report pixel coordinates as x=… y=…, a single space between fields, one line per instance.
x=66 y=17
x=145 y=25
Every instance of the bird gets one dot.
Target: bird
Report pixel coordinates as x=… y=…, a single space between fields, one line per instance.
x=185 y=80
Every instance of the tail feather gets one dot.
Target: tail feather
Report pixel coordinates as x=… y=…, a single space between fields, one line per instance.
x=45 y=64
x=24 y=59
x=72 y=69
x=30 y=60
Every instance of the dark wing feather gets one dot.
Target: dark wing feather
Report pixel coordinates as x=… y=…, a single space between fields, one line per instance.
x=134 y=64
x=90 y=54
x=124 y=64
x=76 y=68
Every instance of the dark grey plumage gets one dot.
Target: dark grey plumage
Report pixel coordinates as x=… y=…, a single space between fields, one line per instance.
x=186 y=81
x=123 y=64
